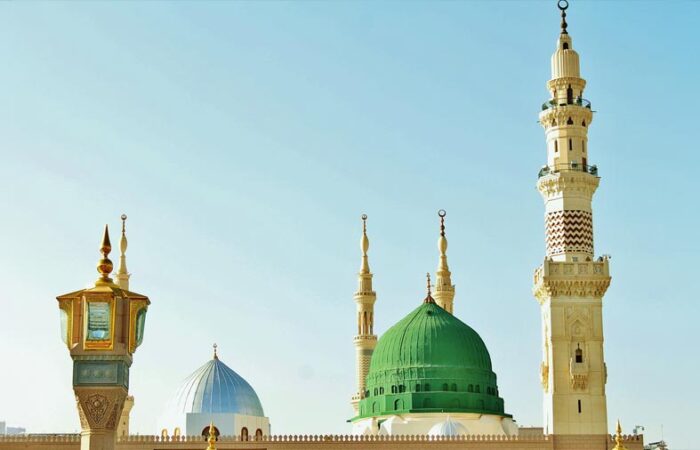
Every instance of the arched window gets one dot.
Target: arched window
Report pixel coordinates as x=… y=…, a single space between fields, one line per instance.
x=426 y=387
x=176 y=432
x=453 y=387
x=565 y=46
x=244 y=434
x=374 y=407
x=402 y=388
x=477 y=389
x=394 y=390
x=381 y=391
x=418 y=387
x=398 y=405
x=569 y=95
x=571 y=144
x=579 y=355
x=556 y=146
x=258 y=434
x=583 y=124
x=445 y=387
x=470 y=388
x=376 y=391
x=570 y=121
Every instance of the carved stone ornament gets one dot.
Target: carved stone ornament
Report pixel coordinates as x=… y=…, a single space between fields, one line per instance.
x=544 y=376
x=100 y=409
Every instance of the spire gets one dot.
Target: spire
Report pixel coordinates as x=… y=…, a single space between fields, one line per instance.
x=212 y=437
x=364 y=246
x=104 y=266
x=618 y=437
x=428 y=298
x=444 y=290
x=216 y=356
x=563 y=5
x=122 y=273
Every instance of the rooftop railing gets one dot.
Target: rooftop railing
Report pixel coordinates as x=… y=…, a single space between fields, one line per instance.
x=553 y=103
x=570 y=167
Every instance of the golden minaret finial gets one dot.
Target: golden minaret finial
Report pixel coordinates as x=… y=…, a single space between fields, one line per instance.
x=618 y=437
x=364 y=246
x=122 y=273
x=428 y=298
x=216 y=355
x=212 y=437
x=105 y=266
x=563 y=5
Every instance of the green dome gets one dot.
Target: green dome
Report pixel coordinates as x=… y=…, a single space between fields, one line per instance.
x=430 y=361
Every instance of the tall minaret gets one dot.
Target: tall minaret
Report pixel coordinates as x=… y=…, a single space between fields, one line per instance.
x=444 y=289
x=123 y=275
x=571 y=283
x=365 y=340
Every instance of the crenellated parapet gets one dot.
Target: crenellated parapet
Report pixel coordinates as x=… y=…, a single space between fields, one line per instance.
x=331 y=441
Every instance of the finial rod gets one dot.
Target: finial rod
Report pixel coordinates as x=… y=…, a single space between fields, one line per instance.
x=427 y=276
x=563 y=5
x=104 y=266
x=216 y=356
x=428 y=298
x=364 y=223
x=442 y=213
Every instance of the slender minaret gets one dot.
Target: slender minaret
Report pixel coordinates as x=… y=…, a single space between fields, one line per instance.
x=570 y=284
x=365 y=340
x=444 y=289
x=123 y=275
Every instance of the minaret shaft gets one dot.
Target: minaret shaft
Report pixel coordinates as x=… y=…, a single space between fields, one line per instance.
x=365 y=340
x=571 y=283
x=444 y=294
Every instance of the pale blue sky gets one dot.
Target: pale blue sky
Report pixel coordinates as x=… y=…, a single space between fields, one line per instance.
x=244 y=140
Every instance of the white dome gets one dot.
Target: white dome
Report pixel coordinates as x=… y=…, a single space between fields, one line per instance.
x=448 y=428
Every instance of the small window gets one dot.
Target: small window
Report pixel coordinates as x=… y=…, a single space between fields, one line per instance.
x=426 y=387
x=565 y=46
x=579 y=406
x=417 y=387
x=569 y=95
x=583 y=124
x=445 y=387
x=453 y=388
x=579 y=355
x=556 y=146
x=376 y=391
x=571 y=144
x=477 y=389
x=394 y=390
x=554 y=122
x=258 y=434
x=570 y=121
x=470 y=388
x=381 y=391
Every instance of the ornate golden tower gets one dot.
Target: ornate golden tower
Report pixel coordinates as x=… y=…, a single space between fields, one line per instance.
x=444 y=289
x=365 y=340
x=102 y=326
x=571 y=282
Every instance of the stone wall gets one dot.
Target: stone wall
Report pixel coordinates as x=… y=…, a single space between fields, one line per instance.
x=331 y=442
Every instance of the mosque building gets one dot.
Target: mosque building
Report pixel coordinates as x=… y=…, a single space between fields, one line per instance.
x=428 y=381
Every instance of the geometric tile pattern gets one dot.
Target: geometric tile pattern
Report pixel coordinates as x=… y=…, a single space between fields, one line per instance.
x=569 y=231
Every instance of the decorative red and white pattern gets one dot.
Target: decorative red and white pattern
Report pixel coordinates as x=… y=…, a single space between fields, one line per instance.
x=569 y=231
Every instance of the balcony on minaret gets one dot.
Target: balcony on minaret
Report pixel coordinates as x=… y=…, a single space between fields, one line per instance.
x=567 y=279
x=578 y=374
x=573 y=166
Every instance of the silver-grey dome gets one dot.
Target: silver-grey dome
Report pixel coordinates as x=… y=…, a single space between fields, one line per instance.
x=216 y=388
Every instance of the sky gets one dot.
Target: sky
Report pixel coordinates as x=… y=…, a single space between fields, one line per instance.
x=245 y=139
